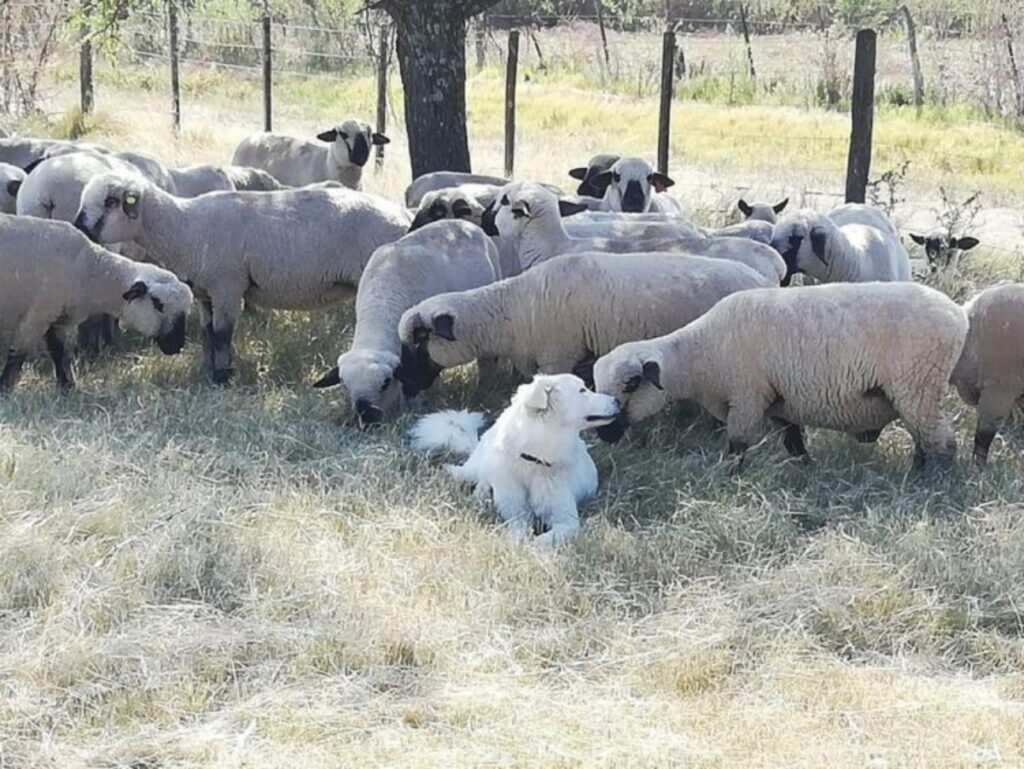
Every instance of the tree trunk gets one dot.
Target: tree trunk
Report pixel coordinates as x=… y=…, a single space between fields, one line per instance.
x=431 y=46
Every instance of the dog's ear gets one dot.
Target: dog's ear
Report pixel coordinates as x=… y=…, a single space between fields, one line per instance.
x=538 y=397
x=652 y=373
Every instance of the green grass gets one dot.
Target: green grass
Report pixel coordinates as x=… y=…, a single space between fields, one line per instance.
x=237 y=577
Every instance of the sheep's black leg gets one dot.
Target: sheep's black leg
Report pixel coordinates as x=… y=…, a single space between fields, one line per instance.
x=12 y=371
x=108 y=330
x=221 y=341
x=793 y=440
x=62 y=368
x=982 y=443
x=920 y=458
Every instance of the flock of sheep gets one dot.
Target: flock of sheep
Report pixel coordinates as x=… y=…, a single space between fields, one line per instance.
x=612 y=283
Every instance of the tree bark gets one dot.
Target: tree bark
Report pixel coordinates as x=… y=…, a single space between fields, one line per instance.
x=431 y=48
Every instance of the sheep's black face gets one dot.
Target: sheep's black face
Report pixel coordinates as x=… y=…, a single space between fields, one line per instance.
x=634 y=199
x=435 y=213
x=613 y=431
x=90 y=231
x=417 y=372
x=359 y=150
x=487 y=222
x=173 y=341
x=369 y=414
x=788 y=248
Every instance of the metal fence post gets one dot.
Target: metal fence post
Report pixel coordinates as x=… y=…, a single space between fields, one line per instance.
x=382 y=90
x=510 y=102
x=668 y=55
x=862 y=113
x=268 y=76
x=172 y=35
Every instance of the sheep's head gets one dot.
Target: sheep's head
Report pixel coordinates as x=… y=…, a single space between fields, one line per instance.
x=564 y=400
x=351 y=141
x=371 y=381
x=802 y=241
x=762 y=212
x=631 y=373
x=519 y=204
x=433 y=332
x=11 y=178
x=585 y=175
x=156 y=304
x=943 y=249
x=451 y=203
x=110 y=210
x=629 y=184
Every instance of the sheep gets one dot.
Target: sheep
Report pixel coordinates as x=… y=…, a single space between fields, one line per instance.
x=633 y=186
x=942 y=249
x=247 y=179
x=851 y=244
x=467 y=201
x=530 y=217
x=442 y=180
x=297 y=163
x=55 y=278
x=762 y=212
x=11 y=179
x=585 y=175
x=441 y=257
x=559 y=316
x=850 y=357
x=990 y=372
x=25 y=151
x=289 y=250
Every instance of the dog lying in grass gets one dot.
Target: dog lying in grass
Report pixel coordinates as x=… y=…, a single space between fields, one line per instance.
x=532 y=459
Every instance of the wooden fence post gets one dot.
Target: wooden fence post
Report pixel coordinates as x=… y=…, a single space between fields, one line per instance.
x=915 y=59
x=668 y=55
x=604 y=34
x=85 y=66
x=481 y=42
x=862 y=114
x=382 y=91
x=510 y=101
x=746 y=39
x=268 y=75
x=172 y=35
x=1017 y=85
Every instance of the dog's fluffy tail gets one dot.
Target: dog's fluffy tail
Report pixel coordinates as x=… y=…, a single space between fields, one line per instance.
x=457 y=431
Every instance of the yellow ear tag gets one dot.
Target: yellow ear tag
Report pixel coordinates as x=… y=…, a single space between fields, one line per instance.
x=130 y=200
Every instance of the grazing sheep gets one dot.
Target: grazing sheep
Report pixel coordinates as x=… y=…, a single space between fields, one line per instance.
x=247 y=179
x=11 y=179
x=529 y=220
x=566 y=312
x=289 y=250
x=942 y=249
x=442 y=180
x=55 y=279
x=762 y=212
x=297 y=163
x=633 y=186
x=852 y=244
x=850 y=357
x=585 y=175
x=444 y=256
x=990 y=372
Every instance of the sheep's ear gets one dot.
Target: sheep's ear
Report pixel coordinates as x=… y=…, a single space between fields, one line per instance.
x=378 y=139
x=13 y=186
x=538 y=397
x=919 y=239
x=652 y=373
x=328 y=136
x=32 y=166
x=331 y=379
x=967 y=243
x=579 y=173
x=745 y=207
x=569 y=208
x=660 y=182
x=819 y=239
x=444 y=326
x=487 y=220
x=138 y=290
x=130 y=204
x=601 y=181
x=780 y=206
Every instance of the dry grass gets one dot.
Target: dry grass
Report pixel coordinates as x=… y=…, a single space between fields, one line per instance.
x=201 y=577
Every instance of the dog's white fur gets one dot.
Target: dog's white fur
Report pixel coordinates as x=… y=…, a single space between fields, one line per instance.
x=532 y=459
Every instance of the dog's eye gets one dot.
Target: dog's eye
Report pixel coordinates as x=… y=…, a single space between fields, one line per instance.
x=111 y=202
x=386 y=385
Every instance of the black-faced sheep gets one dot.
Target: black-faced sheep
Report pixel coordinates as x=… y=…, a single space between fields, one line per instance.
x=850 y=357
x=942 y=249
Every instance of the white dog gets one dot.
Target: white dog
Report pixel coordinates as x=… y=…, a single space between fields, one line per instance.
x=532 y=458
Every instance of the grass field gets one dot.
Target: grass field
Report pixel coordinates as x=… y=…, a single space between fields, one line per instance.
x=204 y=577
